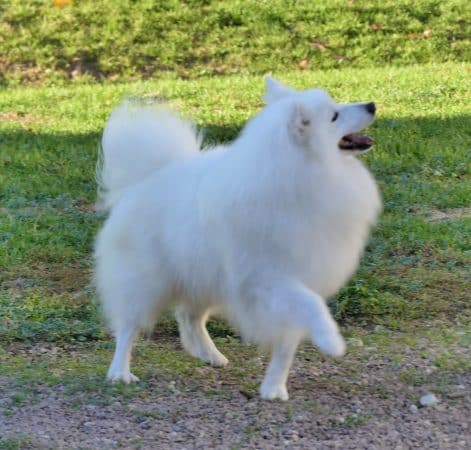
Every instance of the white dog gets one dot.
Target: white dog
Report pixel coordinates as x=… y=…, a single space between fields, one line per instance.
x=262 y=231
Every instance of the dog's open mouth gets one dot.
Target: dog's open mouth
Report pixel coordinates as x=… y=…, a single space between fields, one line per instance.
x=356 y=142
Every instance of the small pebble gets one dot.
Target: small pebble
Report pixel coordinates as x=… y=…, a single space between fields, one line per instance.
x=293 y=435
x=428 y=400
x=413 y=409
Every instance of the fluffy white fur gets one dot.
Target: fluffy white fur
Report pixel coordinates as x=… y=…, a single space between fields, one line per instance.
x=262 y=231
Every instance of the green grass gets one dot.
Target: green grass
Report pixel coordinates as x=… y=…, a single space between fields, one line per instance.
x=146 y=39
x=19 y=442
x=206 y=58
x=414 y=268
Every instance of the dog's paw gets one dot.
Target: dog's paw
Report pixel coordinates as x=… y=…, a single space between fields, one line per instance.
x=273 y=391
x=330 y=342
x=125 y=377
x=213 y=358
x=217 y=360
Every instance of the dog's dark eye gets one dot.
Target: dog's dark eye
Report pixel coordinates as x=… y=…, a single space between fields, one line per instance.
x=336 y=115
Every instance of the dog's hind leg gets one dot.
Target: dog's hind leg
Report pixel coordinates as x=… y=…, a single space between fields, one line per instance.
x=134 y=310
x=131 y=299
x=138 y=311
x=194 y=335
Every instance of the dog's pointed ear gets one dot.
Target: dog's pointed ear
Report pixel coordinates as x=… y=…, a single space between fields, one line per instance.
x=300 y=123
x=274 y=90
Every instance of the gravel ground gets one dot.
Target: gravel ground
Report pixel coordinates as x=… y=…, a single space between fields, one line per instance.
x=331 y=407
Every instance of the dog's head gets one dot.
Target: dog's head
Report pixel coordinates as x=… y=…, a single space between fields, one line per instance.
x=319 y=123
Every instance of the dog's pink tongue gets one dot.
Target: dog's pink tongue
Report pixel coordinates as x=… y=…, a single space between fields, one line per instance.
x=359 y=139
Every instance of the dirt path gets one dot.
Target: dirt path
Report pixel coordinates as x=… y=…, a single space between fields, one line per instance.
x=368 y=401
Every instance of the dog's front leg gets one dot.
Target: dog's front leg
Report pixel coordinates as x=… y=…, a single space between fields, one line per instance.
x=119 y=369
x=274 y=384
x=288 y=312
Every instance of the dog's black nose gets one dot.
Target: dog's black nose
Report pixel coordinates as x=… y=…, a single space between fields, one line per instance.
x=371 y=107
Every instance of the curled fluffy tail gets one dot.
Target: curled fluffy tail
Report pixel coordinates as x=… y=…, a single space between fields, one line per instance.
x=138 y=140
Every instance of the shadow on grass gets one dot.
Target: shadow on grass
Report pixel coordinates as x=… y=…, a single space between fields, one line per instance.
x=448 y=132
x=36 y=165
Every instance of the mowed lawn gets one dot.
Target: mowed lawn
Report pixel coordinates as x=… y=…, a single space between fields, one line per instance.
x=56 y=41
x=416 y=267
